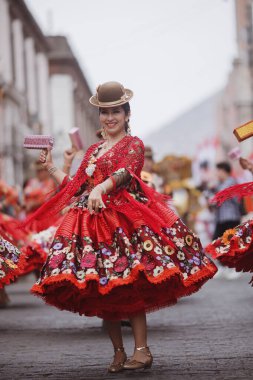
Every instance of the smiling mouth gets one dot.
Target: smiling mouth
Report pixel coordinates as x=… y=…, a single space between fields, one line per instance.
x=111 y=124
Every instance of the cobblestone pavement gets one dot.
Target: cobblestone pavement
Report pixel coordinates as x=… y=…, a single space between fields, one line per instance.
x=205 y=336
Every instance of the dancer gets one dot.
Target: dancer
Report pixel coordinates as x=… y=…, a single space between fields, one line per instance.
x=11 y=262
x=11 y=266
x=234 y=248
x=120 y=251
x=9 y=212
x=37 y=246
x=37 y=190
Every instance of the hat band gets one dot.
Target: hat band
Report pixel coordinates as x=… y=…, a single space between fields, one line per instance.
x=123 y=97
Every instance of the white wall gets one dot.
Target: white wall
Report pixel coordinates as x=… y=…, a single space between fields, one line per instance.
x=5 y=43
x=62 y=112
x=18 y=41
x=43 y=91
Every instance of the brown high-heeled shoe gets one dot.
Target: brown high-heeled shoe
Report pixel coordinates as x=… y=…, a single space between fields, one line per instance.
x=117 y=367
x=138 y=364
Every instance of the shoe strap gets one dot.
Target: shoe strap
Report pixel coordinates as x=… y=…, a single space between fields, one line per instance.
x=119 y=349
x=141 y=348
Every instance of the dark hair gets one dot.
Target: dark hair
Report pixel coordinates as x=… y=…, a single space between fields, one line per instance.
x=225 y=166
x=127 y=110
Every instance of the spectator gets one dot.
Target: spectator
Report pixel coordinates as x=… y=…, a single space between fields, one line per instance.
x=228 y=215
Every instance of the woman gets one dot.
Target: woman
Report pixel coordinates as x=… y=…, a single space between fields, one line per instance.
x=38 y=244
x=120 y=251
x=11 y=266
x=11 y=262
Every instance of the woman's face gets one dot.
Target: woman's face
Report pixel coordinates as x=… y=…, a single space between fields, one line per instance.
x=113 y=120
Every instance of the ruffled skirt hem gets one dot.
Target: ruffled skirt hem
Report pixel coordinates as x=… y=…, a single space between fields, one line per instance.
x=121 y=298
x=235 y=248
x=12 y=273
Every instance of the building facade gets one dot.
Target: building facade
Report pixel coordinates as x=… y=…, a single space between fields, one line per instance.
x=236 y=104
x=70 y=95
x=24 y=86
x=41 y=90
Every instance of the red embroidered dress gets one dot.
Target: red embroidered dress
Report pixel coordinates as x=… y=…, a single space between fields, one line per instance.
x=11 y=262
x=235 y=247
x=134 y=256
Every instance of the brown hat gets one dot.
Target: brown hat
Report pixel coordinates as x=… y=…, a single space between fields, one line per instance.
x=111 y=94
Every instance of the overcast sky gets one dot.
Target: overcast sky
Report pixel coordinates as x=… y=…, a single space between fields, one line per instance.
x=171 y=53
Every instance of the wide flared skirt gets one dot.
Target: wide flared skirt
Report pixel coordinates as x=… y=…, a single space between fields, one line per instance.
x=11 y=262
x=235 y=247
x=117 y=264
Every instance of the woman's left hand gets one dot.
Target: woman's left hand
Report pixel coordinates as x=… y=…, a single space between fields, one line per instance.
x=95 y=202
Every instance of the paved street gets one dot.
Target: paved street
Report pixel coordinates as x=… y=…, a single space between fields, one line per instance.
x=206 y=336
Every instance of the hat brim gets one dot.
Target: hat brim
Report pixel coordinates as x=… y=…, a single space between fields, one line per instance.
x=127 y=97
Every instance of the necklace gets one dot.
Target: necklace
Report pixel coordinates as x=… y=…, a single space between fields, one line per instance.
x=106 y=146
x=93 y=159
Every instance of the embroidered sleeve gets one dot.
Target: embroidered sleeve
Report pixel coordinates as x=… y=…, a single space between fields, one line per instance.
x=133 y=162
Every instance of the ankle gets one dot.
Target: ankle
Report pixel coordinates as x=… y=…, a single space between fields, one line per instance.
x=141 y=348
x=119 y=349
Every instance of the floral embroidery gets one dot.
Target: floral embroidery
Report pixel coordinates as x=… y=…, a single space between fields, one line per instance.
x=235 y=246
x=88 y=260
x=70 y=256
x=2 y=273
x=194 y=270
x=158 y=250
x=116 y=260
x=57 y=246
x=91 y=167
x=147 y=245
x=10 y=258
x=56 y=260
x=121 y=264
x=189 y=239
x=227 y=236
x=158 y=271
x=169 y=250
x=180 y=255
x=80 y=274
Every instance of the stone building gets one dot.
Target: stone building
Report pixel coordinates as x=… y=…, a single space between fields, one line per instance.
x=42 y=90
x=70 y=95
x=24 y=79
x=236 y=104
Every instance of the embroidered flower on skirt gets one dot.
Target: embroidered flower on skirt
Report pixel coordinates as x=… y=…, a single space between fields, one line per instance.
x=155 y=253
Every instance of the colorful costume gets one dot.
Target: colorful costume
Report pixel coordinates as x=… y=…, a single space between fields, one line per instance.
x=36 y=249
x=11 y=262
x=235 y=248
x=134 y=256
x=35 y=194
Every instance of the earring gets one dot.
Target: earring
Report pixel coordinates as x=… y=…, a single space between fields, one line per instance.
x=103 y=133
x=128 y=129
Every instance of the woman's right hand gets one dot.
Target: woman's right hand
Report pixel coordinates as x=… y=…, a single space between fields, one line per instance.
x=46 y=158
